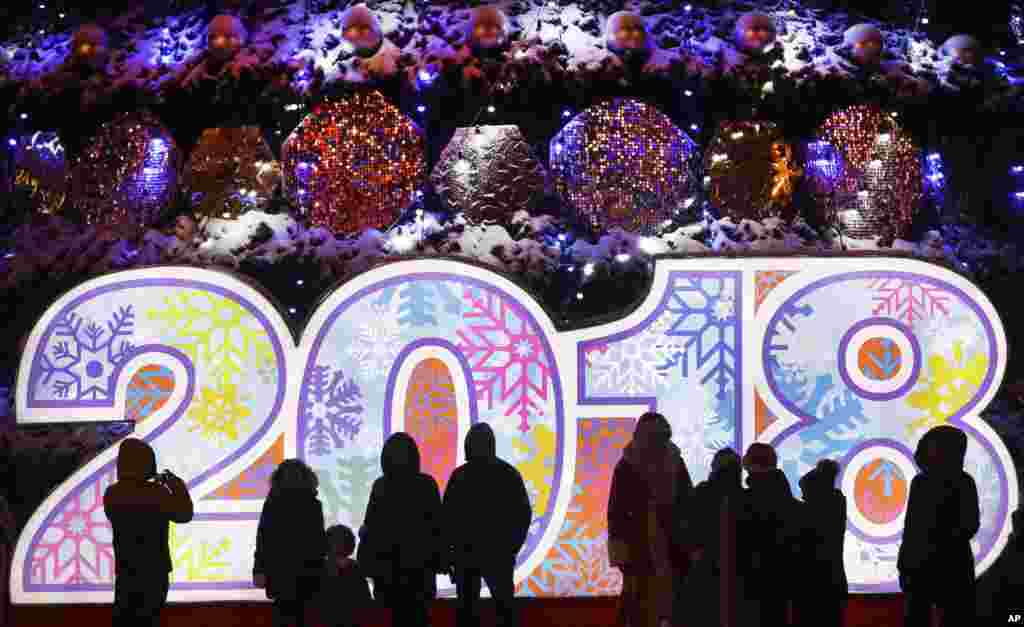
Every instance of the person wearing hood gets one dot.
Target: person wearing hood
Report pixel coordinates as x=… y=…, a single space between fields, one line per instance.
x=401 y=544
x=935 y=562
x=484 y=541
x=711 y=524
x=768 y=535
x=823 y=528
x=650 y=491
x=140 y=505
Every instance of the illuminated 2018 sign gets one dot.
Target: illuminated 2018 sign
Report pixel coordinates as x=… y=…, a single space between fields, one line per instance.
x=848 y=358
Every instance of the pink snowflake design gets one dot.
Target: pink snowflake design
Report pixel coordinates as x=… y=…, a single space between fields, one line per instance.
x=908 y=300
x=506 y=355
x=76 y=546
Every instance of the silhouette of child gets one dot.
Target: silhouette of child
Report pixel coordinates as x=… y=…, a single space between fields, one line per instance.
x=344 y=591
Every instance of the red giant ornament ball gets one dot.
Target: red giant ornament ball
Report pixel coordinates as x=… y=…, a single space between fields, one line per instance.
x=231 y=171
x=354 y=164
x=878 y=188
x=128 y=174
x=623 y=163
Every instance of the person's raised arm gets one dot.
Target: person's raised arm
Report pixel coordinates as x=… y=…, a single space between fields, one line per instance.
x=179 y=506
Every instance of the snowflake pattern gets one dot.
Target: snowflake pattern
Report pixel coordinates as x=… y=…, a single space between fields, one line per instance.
x=217 y=333
x=537 y=452
x=76 y=545
x=220 y=415
x=948 y=387
x=83 y=355
x=707 y=327
x=332 y=410
x=194 y=561
x=908 y=300
x=634 y=366
x=376 y=347
x=506 y=355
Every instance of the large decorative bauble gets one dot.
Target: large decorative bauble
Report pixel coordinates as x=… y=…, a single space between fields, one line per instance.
x=354 y=164
x=489 y=172
x=89 y=48
x=40 y=166
x=870 y=177
x=361 y=29
x=752 y=171
x=626 y=31
x=624 y=164
x=488 y=27
x=754 y=32
x=128 y=174
x=225 y=36
x=231 y=171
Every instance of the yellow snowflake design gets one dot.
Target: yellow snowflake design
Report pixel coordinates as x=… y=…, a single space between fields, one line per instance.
x=536 y=469
x=217 y=333
x=951 y=386
x=194 y=562
x=219 y=414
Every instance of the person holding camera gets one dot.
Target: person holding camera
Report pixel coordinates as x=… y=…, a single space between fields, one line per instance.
x=140 y=506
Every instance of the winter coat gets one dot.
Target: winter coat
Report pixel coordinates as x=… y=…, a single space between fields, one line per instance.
x=628 y=503
x=822 y=521
x=402 y=527
x=943 y=515
x=768 y=532
x=343 y=593
x=291 y=542
x=140 y=511
x=481 y=536
x=705 y=511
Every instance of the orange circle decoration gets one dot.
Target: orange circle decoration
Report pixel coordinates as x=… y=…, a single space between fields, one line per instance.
x=354 y=164
x=879 y=358
x=880 y=491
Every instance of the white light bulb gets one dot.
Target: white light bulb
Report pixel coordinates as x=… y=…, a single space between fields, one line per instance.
x=688 y=93
x=403 y=243
x=649 y=245
x=490 y=108
x=588 y=269
x=299 y=282
x=579 y=295
x=622 y=257
x=737 y=135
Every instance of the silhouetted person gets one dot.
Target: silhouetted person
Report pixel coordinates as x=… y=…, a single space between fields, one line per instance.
x=936 y=563
x=822 y=596
x=140 y=506
x=291 y=543
x=344 y=591
x=768 y=537
x=711 y=525
x=401 y=542
x=650 y=490
x=487 y=515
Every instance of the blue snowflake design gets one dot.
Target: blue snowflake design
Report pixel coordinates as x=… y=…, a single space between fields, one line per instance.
x=330 y=405
x=421 y=301
x=83 y=355
x=556 y=569
x=696 y=302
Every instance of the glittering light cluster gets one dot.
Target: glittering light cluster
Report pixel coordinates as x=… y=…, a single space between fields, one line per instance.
x=878 y=189
x=231 y=171
x=489 y=172
x=1017 y=22
x=40 y=166
x=622 y=164
x=354 y=164
x=752 y=171
x=128 y=175
x=935 y=178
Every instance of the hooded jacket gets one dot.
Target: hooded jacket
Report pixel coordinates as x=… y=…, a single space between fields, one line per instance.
x=943 y=513
x=140 y=511
x=291 y=541
x=493 y=534
x=403 y=517
x=823 y=533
